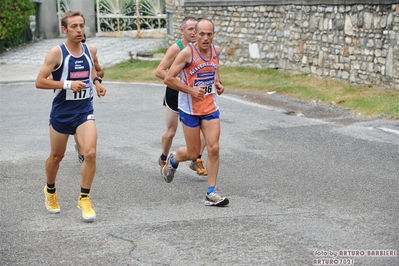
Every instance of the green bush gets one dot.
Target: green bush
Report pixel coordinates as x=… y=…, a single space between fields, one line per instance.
x=14 y=22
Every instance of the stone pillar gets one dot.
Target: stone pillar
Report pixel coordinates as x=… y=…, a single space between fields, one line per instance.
x=170 y=7
x=48 y=19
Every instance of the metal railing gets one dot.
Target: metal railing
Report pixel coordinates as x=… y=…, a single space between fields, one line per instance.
x=138 y=17
x=135 y=18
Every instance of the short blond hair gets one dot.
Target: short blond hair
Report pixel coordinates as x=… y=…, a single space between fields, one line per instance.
x=70 y=14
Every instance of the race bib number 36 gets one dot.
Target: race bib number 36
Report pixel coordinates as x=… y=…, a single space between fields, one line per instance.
x=79 y=95
x=207 y=83
x=210 y=89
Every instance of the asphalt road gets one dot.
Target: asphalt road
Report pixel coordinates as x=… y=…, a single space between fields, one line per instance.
x=302 y=191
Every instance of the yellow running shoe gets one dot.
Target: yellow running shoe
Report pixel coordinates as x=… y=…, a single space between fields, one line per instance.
x=198 y=166
x=86 y=206
x=51 y=201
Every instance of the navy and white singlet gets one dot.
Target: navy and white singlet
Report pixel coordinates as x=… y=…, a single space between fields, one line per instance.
x=73 y=68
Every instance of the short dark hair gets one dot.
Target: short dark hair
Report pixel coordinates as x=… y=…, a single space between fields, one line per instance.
x=202 y=19
x=183 y=23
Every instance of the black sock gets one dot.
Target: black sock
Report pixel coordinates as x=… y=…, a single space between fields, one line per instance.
x=51 y=188
x=84 y=192
x=199 y=157
x=163 y=157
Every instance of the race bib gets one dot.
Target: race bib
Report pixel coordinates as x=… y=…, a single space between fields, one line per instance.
x=207 y=80
x=79 y=95
x=210 y=89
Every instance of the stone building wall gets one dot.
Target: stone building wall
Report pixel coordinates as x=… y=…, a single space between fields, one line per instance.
x=355 y=41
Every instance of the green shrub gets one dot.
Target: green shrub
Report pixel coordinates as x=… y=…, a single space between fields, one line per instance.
x=14 y=22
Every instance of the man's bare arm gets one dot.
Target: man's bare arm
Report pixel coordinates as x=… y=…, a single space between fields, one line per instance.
x=171 y=79
x=218 y=83
x=97 y=66
x=167 y=61
x=99 y=87
x=51 y=61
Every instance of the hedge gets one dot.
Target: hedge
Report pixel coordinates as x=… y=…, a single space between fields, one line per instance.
x=14 y=22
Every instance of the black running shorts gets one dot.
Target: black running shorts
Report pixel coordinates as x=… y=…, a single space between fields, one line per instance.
x=171 y=99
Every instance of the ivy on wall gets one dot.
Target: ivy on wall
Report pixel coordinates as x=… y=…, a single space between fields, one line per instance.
x=14 y=22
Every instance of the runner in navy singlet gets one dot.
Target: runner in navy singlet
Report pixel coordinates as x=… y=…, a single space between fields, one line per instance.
x=71 y=66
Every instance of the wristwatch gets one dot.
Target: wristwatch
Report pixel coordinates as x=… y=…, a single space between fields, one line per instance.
x=97 y=78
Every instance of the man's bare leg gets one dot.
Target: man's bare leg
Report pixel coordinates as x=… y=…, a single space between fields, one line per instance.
x=58 y=144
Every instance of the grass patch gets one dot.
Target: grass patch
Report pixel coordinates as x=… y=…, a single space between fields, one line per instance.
x=133 y=70
x=363 y=100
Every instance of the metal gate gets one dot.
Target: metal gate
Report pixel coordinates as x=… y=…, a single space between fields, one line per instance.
x=135 y=18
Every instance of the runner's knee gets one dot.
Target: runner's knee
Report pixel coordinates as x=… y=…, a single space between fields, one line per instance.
x=213 y=150
x=171 y=133
x=55 y=158
x=90 y=156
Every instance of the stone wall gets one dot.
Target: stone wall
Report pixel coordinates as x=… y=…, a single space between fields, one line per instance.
x=355 y=41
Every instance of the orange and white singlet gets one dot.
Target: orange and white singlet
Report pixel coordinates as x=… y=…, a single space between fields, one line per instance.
x=200 y=72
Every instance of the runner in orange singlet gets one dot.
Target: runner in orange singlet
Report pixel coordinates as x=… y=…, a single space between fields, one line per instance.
x=171 y=97
x=199 y=86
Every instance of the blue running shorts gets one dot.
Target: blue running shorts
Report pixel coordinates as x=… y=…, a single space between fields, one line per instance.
x=67 y=123
x=195 y=120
